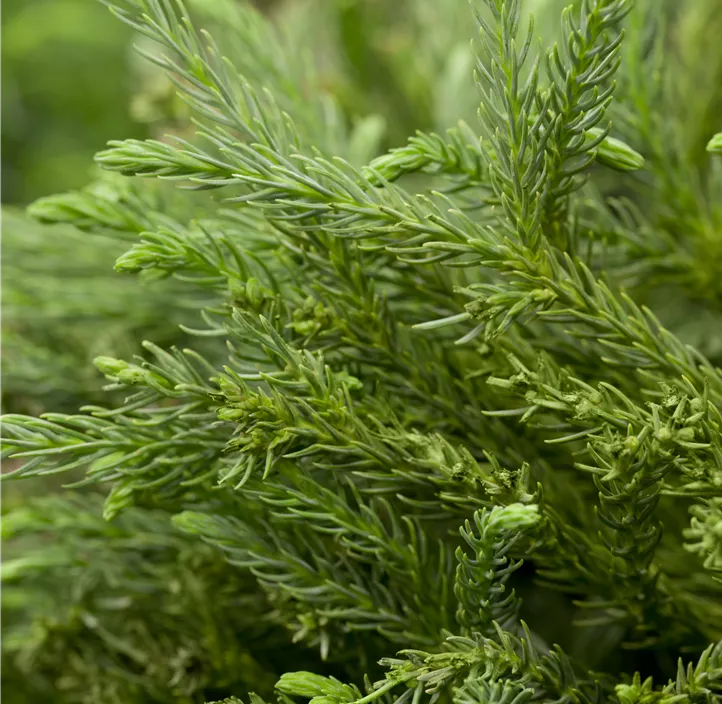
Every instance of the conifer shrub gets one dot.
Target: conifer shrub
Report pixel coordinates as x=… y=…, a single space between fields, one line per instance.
x=446 y=425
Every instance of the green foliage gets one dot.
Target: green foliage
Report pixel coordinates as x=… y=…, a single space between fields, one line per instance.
x=63 y=305
x=128 y=608
x=430 y=435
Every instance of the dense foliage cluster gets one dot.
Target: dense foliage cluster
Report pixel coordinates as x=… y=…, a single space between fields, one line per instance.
x=436 y=423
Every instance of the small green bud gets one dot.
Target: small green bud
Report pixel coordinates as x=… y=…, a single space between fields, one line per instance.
x=615 y=153
x=231 y=414
x=637 y=692
x=308 y=684
x=543 y=295
x=517 y=516
x=110 y=366
x=705 y=533
x=476 y=308
x=229 y=388
x=631 y=444
x=663 y=434
x=685 y=434
x=595 y=397
x=715 y=144
x=194 y=522
x=321 y=690
x=131 y=375
x=135 y=259
x=120 y=498
x=387 y=166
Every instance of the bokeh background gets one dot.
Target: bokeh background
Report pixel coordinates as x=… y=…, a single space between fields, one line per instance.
x=66 y=89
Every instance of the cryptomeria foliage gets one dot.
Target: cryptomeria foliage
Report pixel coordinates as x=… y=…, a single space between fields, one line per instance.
x=433 y=442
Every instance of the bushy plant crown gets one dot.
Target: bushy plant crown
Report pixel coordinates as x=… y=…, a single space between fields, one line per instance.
x=431 y=442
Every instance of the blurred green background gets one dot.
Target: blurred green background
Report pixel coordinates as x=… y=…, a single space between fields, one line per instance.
x=66 y=89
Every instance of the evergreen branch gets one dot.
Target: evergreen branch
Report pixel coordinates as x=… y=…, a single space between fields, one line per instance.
x=65 y=307
x=271 y=72
x=98 y=208
x=581 y=89
x=634 y=454
x=176 y=160
x=474 y=665
x=655 y=111
x=461 y=156
x=554 y=280
x=515 y=151
x=374 y=368
x=680 y=431
x=702 y=681
x=458 y=155
x=321 y=597
x=258 y=428
x=142 y=445
x=481 y=580
x=205 y=77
